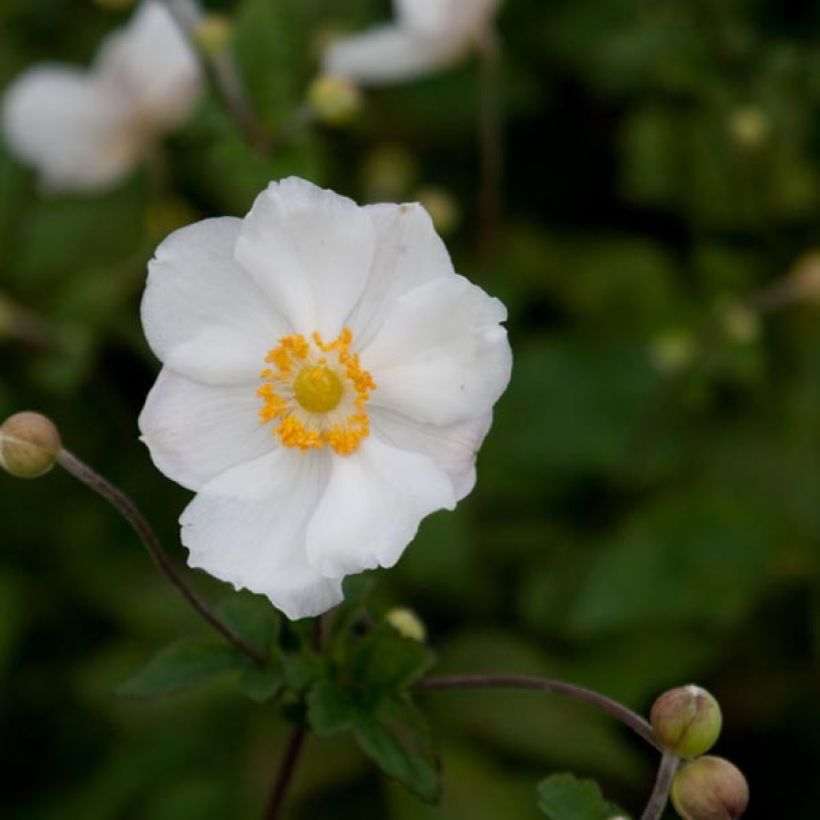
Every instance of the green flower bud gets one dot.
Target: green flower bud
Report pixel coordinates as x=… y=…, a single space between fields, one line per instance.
x=686 y=721
x=29 y=445
x=749 y=127
x=710 y=788
x=442 y=207
x=213 y=33
x=334 y=100
x=672 y=351
x=407 y=624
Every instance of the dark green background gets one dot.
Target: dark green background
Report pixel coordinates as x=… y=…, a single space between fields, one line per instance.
x=631 y=529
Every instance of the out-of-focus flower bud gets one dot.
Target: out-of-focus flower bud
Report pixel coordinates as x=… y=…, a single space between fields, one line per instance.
x=29 y=445
x=740 y=324
x=686 y=720
x=672 y=351
x=748 y=127
x=407 y=624
x=388 y=173
x=213 y=33
x=334 y=100
x=710 y=788
x=442 y=207
x=805 y=276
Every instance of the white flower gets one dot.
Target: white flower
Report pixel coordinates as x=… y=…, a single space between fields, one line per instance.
x=327 y=381
x=85 y=130
x=427 y=36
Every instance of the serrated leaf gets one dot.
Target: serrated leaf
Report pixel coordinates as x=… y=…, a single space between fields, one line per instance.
x=565 y=797
x=330 y=708
x=182 y=666
x=400 y=753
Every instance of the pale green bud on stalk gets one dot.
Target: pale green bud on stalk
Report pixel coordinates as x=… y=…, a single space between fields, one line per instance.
x=686 y=721
x=710 y=788
x=213 y=33
x=29 y=445
x=672 y=352
x=334 y=100
x=407 y=624
x=748 y=127
x=442 y=207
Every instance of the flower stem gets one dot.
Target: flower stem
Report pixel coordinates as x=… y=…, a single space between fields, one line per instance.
x=224 y=75
x=287 y=767
x=478 y=681
x=663 y=783
x=130 y=512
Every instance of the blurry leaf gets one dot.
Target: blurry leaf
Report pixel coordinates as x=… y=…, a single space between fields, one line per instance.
x=565 y=797
x=330 y=708
x=182 y=666
x=253 y=617
x=262 y=684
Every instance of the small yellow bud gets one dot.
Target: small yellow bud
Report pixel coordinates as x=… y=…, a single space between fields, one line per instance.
x=334 y=100
x=749 y=127
x=442 y=207
x=29 y=445
x=672 y=351
x=740 y=324
x=213 y=33
x=407 y=624
x=686 y=720
x=710 y=788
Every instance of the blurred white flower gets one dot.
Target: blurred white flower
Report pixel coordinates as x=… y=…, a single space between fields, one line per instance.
x=428 y=35
x=85 y=130
x=328 y=379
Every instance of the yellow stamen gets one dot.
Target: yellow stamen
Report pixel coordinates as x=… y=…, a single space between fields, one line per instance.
x=315 y=395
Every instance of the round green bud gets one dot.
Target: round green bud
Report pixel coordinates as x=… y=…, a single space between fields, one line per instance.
x=29 y=445
x=672 y=352
x=686 y=721
x=710 y=788
x=442 y=207
x=740 y=323
x=213 y=33
x=749 y=127
x=334 y=100
x=407 y=624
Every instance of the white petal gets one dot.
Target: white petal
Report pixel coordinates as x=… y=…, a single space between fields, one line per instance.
x=441 y=355
x=151 y=63
x=453 y=16
x=194 y=431
x=388 y=54
x=373 y=506
x=409 y=253
x=71 y=127
x=453 y=447
x=248 y=527
x=310 y=250
x=203 y=315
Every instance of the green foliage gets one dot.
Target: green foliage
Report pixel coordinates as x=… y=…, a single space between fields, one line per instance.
x=565 y=797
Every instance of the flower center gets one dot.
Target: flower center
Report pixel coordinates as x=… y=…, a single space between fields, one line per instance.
x=314 y=393
x=318 y=389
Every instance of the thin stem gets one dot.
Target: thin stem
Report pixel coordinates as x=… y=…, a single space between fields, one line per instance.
x=129 y=511
x=284 y=775
x=478 y=681
x=663 y=783
x=224 y=75
x=491 y=139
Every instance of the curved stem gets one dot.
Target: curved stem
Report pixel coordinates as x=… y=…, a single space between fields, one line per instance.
x=286 y=769
x=478 y=681
x=663 y=783
x=130 y=512
x=224 y=75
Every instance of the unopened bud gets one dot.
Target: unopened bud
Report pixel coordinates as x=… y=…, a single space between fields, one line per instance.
x=335 y=100
x=710 y=788
x=672 y=352
x=407 y=624
x=741 y=324
x=213 y=33
x=442 y=207
x=748 y=127
x=805 y=276
x=29 y=445
x=686 y=721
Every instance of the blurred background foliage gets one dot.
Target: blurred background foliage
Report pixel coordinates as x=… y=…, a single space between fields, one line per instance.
x=647 y=509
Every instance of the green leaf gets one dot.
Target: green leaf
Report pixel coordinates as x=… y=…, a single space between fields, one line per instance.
x=565 y=797
x=262 y=684
x=182 y=666
x=330 y=708
x=253 y=617
x=402 y=753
